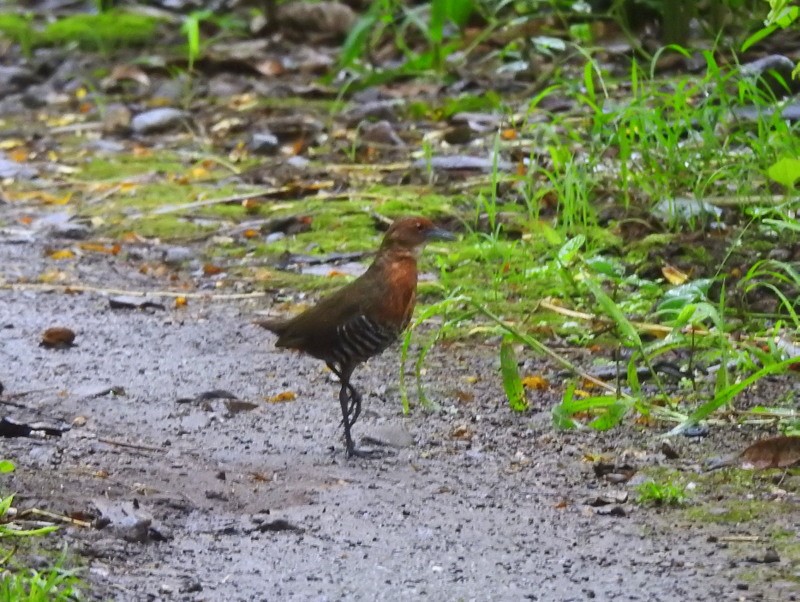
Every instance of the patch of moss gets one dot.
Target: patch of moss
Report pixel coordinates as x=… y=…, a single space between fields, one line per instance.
x=18 y=28
x=103 y=31
x=125 y=165
x=168 y=227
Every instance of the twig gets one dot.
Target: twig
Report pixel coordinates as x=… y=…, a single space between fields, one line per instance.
x=140 y=446
x=80 y=288
x=87 y=126
x=242 y=196
x=656 y=329
x=542 y=348
x=736 y=538
x=103 y=195
x=53 y=516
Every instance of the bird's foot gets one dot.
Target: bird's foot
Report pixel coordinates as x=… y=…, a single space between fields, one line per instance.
x=367 y=453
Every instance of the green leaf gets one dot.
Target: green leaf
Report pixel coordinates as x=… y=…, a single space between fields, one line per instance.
x=758 y=36
x=785 y=172
x=727 y=394
x=6 y=466
x=512 y=383
x=612 y=310
x=567 y=253
x=355 y=44
x=611 y=417
x=5 y=504
x=561 y=414
x=588 y=82
x=459 y=11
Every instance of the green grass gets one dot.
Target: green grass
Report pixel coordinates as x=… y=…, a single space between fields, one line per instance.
x=661 y=494
x=18 y=582
x=104 y=31
x=29 y=585
x=561 y=223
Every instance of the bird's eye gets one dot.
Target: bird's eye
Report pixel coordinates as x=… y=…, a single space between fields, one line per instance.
x=419 y=225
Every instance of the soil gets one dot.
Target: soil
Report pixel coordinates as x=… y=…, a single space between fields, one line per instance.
x=470 y=502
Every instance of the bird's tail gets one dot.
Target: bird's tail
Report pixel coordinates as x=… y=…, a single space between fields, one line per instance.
x=274 y=325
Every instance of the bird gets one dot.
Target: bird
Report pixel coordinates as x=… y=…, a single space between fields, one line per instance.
x=363 y=318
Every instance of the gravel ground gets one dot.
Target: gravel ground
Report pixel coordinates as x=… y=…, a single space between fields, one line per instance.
x=471 y=503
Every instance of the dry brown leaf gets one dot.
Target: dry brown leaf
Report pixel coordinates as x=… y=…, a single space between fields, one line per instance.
x=96 y=247
x=777 y=452
x=209 y=269
x=129 y=72
x=52 y=276
x=20 y=155
x=131 y=237
x=57 y=337
x=270 y=67
x=462 y=432
x=673 y=275
x=283 y=397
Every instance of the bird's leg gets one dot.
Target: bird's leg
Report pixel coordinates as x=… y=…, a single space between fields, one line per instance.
x=354 y=410
x=350 y=401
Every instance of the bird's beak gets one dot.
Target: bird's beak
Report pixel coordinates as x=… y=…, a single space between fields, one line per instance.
x=439 y=234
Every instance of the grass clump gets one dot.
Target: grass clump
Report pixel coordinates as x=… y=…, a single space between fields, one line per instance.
x=661 y=494
x=19 y=583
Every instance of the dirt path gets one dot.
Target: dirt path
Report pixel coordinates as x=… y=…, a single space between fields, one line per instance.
x=500 y=517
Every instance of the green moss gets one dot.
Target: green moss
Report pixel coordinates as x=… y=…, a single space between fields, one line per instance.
x=103 y=31
x=166 y=227
x=18 y=28
x=124 y=166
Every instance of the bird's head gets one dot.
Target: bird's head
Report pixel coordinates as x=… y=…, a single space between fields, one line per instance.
x=413 y=233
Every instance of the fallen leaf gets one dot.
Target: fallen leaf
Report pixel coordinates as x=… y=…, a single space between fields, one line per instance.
x=251 y=205
x=199 y=173
x=79 y=421
x=260 y=477
x=283 y=397
x=462 y=432
x=52 y=276
x=57 y=337
x=210 y=269
x=673 y=275
x=181 y=302
x=270 y=67
x=20 y=155
x=96 y=247
x=535 y=382
x=11 y=143
x=61 y=254
x=777 y=452
x=50 y=199
x=464 y=396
